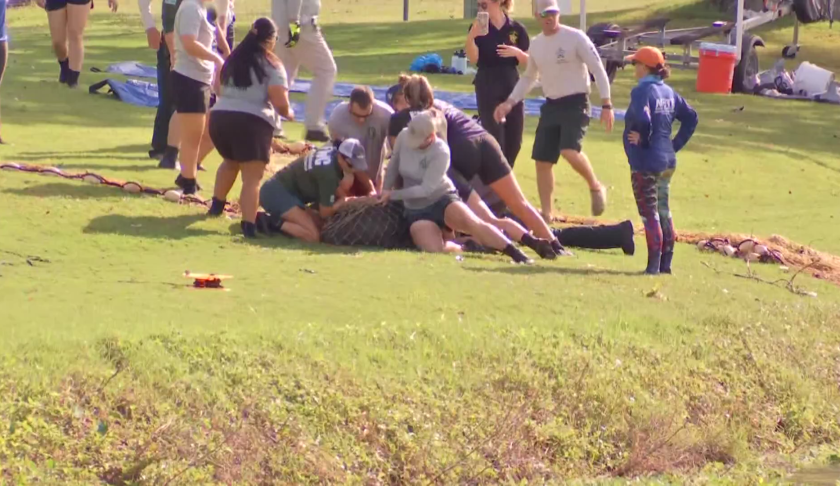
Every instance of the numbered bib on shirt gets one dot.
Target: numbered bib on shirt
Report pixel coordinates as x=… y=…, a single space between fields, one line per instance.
x=319 y=158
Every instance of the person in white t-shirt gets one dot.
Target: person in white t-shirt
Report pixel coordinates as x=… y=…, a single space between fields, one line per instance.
x=562 y=57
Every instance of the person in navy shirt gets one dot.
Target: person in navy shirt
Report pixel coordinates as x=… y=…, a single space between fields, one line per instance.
x=652 y=154
x=497 y=53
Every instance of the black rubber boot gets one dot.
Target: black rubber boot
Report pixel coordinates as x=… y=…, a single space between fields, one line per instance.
x=516 y=255
x=599 y=237
x=542 y=247
x=217 y=207
x=188 y=186
x=654 y=262
x=249 y=230
x=665 y=262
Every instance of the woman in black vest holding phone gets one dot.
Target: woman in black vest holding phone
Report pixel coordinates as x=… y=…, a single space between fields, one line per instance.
x=498 y=44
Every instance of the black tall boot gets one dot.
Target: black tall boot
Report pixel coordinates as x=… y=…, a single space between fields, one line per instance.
x=599 y=237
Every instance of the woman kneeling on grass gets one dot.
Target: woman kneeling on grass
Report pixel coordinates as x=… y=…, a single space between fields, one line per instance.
x=474 y=153
x=312 y=180
x=654 y=107
x=252 y=84
x=421 y=159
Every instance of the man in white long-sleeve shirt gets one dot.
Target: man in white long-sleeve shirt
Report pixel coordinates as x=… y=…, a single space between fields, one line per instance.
x=562 y=57
x=300 y=43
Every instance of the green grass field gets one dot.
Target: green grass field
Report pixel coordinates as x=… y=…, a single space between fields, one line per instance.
x=344 y=366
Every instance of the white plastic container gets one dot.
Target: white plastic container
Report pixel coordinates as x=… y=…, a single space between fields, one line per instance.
x=460 y=64
x=812 y=80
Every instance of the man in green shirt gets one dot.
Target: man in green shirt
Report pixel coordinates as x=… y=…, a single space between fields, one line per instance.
x=311 y=182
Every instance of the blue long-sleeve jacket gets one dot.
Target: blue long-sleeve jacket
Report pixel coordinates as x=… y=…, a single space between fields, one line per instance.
x=654 y=107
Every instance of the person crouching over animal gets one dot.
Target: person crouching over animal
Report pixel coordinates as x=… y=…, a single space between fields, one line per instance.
x=421 y=160
x=304 y=193
x=649 y=121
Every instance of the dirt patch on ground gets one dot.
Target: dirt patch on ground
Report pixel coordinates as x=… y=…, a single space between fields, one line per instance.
x=821 y=265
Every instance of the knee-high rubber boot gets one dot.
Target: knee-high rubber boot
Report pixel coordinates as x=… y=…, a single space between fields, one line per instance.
x=599 y=237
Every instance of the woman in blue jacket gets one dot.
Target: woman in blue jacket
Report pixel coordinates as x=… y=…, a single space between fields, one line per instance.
x=654 y=107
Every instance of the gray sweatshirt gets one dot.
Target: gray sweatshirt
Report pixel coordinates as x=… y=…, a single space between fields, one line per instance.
x=423 y=173
x=295 y=11
x=562 y=62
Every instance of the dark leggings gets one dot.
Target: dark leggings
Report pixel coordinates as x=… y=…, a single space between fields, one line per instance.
x=652 y=191
x=492 y=87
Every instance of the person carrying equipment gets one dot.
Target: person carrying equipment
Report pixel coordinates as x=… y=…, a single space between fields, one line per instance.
x=365 y=119
x=559 y=58
x=300 y=43
x=312 y=180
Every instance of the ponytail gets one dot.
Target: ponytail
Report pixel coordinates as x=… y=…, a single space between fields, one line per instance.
x=250 y=54
x=507 y=6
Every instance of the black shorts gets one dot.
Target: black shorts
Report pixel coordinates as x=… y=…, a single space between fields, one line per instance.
x=241 y=137
x=563 y=124
x=190 y=96
x=434 y=213
x=480 y=157
x=53 y=5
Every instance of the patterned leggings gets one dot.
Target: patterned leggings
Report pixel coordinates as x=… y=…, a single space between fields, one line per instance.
x=652 y=191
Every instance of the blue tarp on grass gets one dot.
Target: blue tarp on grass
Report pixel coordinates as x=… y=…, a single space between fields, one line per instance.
x=142 y=93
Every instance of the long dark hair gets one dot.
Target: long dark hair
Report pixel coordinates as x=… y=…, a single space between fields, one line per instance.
x=249 y=53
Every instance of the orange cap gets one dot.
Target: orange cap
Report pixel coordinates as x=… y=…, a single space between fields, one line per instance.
x=649 y=56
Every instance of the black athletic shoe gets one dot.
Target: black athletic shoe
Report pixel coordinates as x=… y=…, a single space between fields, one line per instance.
x=472 y=246
x=628 y=244
x=559 y=249
x=266 y=225
x=217 y=207
x=188 y=186
x=73 y=78
x=169 y=159
x=155 y=154
x=65 y=67
x=317 y=136
x=542 y=247
x=516 y=255
x=249 y=230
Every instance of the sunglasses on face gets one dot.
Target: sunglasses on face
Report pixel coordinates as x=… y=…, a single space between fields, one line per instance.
x=547 y=15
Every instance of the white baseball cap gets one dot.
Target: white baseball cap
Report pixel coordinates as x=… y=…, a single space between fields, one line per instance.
x=419 y=129
x=354 y=152
x=547 y=6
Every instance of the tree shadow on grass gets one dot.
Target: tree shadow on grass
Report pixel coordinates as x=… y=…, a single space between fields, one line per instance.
x=155 y=227
x=542 y=270
x=68 y=189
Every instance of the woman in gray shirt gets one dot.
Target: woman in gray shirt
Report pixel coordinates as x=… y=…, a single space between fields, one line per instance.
x=421 y=160
x=195 y=66
x=251 y=87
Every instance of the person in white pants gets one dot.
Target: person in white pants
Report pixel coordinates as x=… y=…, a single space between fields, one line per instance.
x=300 y=43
